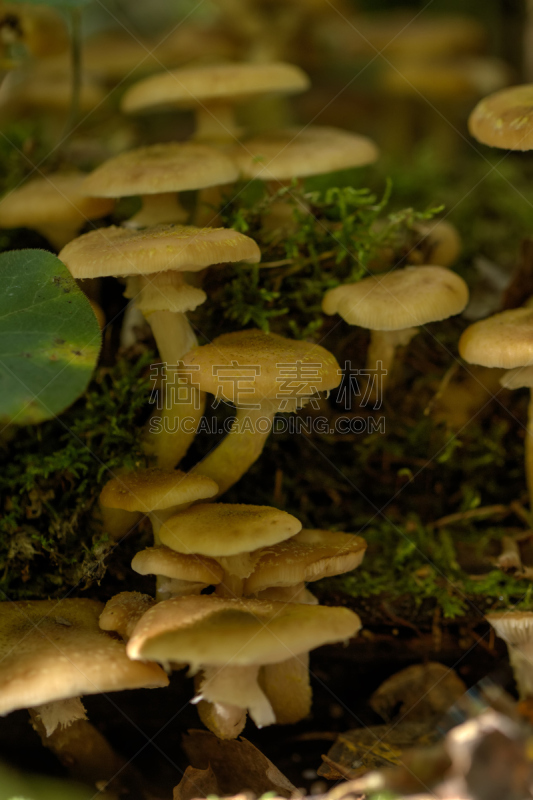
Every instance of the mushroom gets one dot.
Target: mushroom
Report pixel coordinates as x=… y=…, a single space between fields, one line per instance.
x=392 y=305
x=186 y=574
x=506 y=340
x=261 y=374
x=155 y=260
x=516 y=629
x=51 y=653
x=213 y=91
x=310 y=555
x=55 y=205
x=505 y=118
x=229 y=640
x=122 y=613
x=40 y=29
x=280 y=156
x=232 y=535
x=157 y=173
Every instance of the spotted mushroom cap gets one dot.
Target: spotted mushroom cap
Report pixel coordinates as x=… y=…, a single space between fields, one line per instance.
x=226 y=529
x=123 y=611
x=308 y=556
x=171 y=564
x=54 y=198
x=295 y=153
x=503 y=340
x=265 y=363
x=403 y=298
x=206 y=629
x=186 y=87
x=154 y=489
x=122 y=251
x=505 y=118
x=54 y=650
x=161 y=168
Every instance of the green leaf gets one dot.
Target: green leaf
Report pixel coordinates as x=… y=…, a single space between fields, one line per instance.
x=49 y=337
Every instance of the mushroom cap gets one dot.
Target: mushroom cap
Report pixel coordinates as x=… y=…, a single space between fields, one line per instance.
x=514 y=627
x=503 y=340
x=40 y=90
x=505 y=118
x=279 y=361
x=161 y=168
x=224 y=529
x=55 y=198
x=41 y=29
x=210 y=630
x=171 y=564
x=123 y=612
x=400 y=299
x=295 y=153
x=187 y=87
x=54 y=650
x=308 y=556
x=164 y=291
x=121 y=251
x=154 y=489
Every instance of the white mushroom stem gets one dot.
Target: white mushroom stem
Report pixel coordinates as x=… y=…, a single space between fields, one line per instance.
x=242 y=446
x=215 y=122
x=382 y=349
x=176 y=587
x=170 y=432
x=288 y=689
x=237 y=686
x=59 y=714
x=236 y=569
x=158 y=209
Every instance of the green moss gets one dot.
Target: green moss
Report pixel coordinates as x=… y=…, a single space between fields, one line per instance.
x=50 y=478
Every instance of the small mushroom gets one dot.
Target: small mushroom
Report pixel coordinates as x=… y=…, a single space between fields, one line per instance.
x=213 y=91
x=185 y=574
x=261 y=374
x=392 y=306
x=516 y=629
x=232 y=535
x=157 y=173
x=55 y=205
x=505 y=118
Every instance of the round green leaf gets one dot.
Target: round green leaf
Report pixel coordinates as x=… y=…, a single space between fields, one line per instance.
x=49 y=337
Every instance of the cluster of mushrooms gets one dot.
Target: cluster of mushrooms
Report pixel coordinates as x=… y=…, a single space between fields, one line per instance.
x=231 y=604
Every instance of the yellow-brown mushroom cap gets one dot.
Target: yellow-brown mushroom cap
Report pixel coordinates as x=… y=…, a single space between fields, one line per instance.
x=505 y=118
x=308 y=556
x=161 y=168
x=171 y=564
x=268 y=366
x=503 y=340
x=54 y=650
x=400 y=299
x=188 y=87
x=39 y=90
x=225 y=529
x=123 y=611
x=203 y=630
x=120 y=251
x=154 y=489
x=55 y=198
x=295 y=153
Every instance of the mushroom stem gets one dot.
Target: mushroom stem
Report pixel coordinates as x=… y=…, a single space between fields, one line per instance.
x=243 y=445
x=237 y=686
x=173 y=335
x=288 y=689
x=170 y=433
x=381 y=355
x=216 y=122
x=158 y=209
x=80 y=747
x=529 y=450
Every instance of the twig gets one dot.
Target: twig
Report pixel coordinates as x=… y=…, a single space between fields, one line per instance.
x=473 y=513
